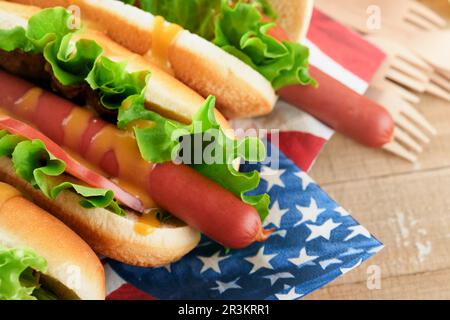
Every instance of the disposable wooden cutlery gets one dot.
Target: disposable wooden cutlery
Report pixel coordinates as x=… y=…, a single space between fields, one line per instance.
x=406 y=21
x=383 y=16
x=412 y=129
x=403 y=67
x=434 y=47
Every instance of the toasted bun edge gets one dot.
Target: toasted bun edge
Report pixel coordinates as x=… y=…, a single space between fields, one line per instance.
x=70 y=260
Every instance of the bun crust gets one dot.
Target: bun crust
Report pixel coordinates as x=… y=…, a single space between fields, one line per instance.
x=240 y=91
x=107 y=233
x=70 y=260
x=294 y=16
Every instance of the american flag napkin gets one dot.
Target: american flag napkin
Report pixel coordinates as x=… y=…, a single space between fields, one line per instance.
x=317 y=240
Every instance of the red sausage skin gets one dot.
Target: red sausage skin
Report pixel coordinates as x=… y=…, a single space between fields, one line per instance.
x=343 y=109
x=340 y=107
x=205 y=205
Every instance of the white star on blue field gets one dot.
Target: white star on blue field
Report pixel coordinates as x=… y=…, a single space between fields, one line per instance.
x=316 y=242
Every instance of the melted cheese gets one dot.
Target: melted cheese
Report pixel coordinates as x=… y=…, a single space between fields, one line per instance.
x=163 y=35
x=75 y=125
x=27 y=104
x=147 y=223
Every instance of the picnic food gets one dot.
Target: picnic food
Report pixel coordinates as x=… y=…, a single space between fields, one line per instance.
x=340 y=107
x=40 y=257
x=234 y=59
x=97 y=176
x=243 y=52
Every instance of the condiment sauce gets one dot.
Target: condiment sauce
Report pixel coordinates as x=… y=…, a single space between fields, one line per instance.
x=132 y=168
x=27 y=104
x=163 y=35
x=75 y=125
x=147 y=223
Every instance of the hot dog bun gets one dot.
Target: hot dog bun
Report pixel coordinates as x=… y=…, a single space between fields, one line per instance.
x=294 y=16
x=70 y=260
x=165 y=94
x=108 y=233
x=240 y=90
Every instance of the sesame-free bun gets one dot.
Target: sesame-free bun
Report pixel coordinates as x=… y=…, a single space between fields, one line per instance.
x=165 y=94
x=240 y=90
x=107 y=233
x=70 y=260
x=294 y=16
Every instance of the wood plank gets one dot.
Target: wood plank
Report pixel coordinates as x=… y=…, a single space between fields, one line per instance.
x=440 y=6
x=429 y=285
x=409 y=213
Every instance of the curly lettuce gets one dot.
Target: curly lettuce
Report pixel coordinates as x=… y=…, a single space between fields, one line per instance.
x=115 y=83
x=15 y=38
x=71 y=65
x=16 y=279
x=238 y=27
x=32 y=161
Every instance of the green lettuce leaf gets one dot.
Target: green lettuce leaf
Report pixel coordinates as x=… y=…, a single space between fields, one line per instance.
x=48 y=25
x=240 y=31
x=15 y=38
x=236 y=27
x=92 y=197
x=114 y=83
x=35 y=164
x=197 y=16
x=14 y=263
x=72 y=64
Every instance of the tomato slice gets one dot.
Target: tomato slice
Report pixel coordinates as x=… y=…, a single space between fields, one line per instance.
x=73 y=167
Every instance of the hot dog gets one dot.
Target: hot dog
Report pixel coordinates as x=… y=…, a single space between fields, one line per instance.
x=344 y=110
x=242 y=67
x=244 y=78
x=145 y=110
x=201 y=207
x=340 y=107
x=216 y=202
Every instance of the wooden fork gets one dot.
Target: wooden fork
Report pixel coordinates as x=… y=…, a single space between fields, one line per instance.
x=407 y=69
x=412 y=129
x=383 y=16
x=406 y=21
x=434 y=47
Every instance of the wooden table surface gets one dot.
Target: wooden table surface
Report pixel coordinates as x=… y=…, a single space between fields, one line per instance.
x=406 y=206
